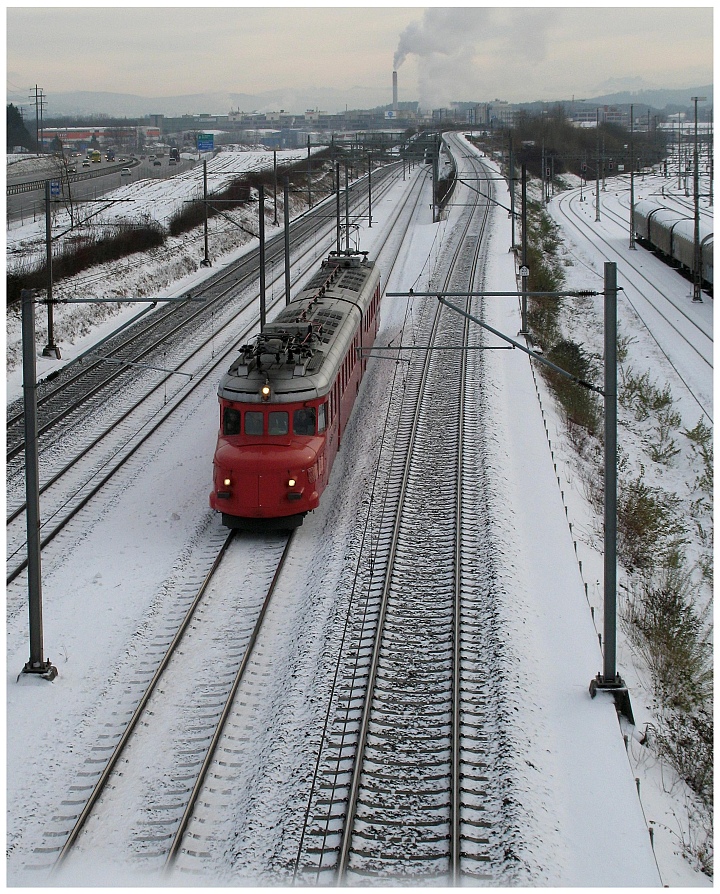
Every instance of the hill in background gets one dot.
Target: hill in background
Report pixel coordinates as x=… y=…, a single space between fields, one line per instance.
x=297 y=101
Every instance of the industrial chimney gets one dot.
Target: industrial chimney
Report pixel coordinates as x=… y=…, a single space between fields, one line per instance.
x=395 y=99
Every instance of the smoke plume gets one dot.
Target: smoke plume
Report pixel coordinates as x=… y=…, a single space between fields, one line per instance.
x=458 y=49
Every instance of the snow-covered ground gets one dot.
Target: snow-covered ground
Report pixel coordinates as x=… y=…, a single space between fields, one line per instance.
x=591 y=828
x=656 y=348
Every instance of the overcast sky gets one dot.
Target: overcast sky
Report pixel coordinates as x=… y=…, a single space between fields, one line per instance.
x=473 y=53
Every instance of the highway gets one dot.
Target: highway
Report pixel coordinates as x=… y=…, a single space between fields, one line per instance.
x=99 y=178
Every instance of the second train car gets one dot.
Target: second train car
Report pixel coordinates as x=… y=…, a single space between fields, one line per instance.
x=287 y=398
x=671 y=233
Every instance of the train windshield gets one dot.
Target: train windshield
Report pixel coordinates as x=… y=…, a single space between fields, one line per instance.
x=304 y=421
x=277 y=423
x=231 y=421
x=254 y=422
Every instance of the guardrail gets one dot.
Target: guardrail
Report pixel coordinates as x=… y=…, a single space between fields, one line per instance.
x=31 y=185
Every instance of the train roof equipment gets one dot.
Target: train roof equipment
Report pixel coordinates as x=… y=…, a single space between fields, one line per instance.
x=296 y=356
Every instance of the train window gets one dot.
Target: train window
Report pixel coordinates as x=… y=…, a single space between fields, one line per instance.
x=253 y=422
x=231 y=421
x=278 y=423
x=304 y=421
x=321 y=418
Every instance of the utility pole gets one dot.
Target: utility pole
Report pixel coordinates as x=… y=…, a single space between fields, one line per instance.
x=435 y=161
x=347 y=212
x=261 y=228
x=39 y=104
x=632 y=181
x=338 y=225
x=50 y=348
x=609 y=614
x=286 y=220
x=369 y=190
x=309 y=181
x=697 y=258
x=206 y=260
x=37 y=664
x=335 y=185
x=275 y=221
x=511 y=167
x=597 y=166
x=524 y=272
x=711 y=158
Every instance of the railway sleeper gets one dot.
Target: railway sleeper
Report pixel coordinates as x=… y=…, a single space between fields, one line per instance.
x=377 y=774
x=407 y=857
x=152 y=839
x=480 y=824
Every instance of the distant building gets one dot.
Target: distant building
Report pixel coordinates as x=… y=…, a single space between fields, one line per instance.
x=588 y=116
x=80 y=137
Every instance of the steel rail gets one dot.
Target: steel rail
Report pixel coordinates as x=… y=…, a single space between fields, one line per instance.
x=139 y=710
x=456 y=756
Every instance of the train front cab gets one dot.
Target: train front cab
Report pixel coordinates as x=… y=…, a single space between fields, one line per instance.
x=269 y=466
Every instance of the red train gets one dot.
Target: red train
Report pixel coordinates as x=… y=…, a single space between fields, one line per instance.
x=286 y=400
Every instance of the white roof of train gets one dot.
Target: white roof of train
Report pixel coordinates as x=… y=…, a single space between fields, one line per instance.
x=300 y=351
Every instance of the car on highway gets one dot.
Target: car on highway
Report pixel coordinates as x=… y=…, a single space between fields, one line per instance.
x=86 y=164
x=157 y=164
x=125 y=172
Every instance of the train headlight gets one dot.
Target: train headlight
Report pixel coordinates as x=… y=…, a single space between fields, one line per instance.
x=227 y=482
x=291 y=482
x=265 y=391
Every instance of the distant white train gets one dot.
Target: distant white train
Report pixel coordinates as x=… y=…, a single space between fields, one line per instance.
x=671 y=233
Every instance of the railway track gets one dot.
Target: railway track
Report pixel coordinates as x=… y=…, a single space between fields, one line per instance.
x=144 y=813
x=134 y=801
x=404 y=786
x=683 y=337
